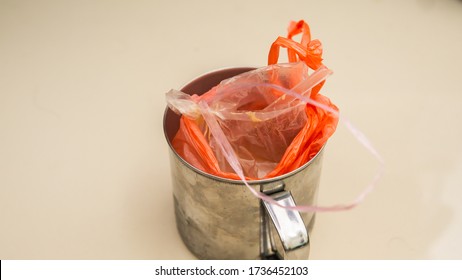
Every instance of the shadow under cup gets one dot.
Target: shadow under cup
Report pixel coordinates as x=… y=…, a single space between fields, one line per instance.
x=219 y=218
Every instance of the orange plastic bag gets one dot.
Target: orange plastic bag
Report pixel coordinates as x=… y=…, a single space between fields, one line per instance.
x=267 y=126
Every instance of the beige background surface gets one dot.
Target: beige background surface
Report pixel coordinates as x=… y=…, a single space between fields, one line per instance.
x=84 y=170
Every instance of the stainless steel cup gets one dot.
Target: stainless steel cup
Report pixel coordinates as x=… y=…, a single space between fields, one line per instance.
x=219 y=218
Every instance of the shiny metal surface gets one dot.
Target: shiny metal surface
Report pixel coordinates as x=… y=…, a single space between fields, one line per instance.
x=219 y=218
x=288 y=223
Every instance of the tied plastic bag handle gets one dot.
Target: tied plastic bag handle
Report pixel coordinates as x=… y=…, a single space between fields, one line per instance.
x=308 y=51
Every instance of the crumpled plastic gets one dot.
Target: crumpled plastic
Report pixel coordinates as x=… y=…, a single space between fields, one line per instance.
x=270 y=119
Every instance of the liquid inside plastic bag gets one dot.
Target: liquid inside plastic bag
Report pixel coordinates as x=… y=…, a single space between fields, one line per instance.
x=270 y=131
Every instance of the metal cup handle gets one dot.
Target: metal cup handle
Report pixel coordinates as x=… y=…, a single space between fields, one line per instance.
x=288 y=225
